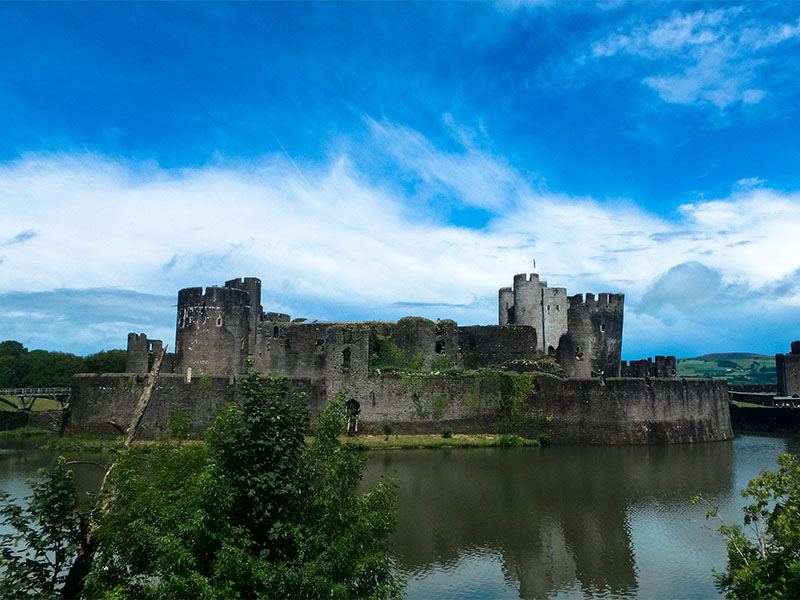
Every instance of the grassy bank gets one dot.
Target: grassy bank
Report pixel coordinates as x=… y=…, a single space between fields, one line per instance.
x=24 y=432
x=89 y=443
x=456 y=440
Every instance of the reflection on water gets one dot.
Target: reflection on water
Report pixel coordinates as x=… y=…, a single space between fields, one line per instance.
x=567 y=522
x=563 y=522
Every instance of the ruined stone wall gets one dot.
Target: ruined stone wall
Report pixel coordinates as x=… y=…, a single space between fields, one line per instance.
x=486 y=346
x=337 y=352
x=662 y=366
x=593 y=342
x=505 y=305
x=213 y=330
x=555 y=306
x=100 y=400
x=141 y=353
x=617 y=411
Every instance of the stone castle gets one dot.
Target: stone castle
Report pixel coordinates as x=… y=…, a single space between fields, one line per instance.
x=220 y=327
x=551 y=366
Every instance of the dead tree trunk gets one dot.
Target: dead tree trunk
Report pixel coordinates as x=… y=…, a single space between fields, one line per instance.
x=73 y=587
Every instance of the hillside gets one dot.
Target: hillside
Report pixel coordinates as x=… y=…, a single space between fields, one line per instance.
x=738 y=368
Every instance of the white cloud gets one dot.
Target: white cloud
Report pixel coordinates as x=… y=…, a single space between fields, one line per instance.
x=713 y=57
x=344 y=246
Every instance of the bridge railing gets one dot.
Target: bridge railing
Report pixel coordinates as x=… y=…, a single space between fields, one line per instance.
x=40 y=391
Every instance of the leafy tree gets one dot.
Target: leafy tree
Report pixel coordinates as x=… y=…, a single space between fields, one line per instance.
x=108 y=361
x=42 y=368
x=766 y=564
x=253 y=512
x=36 y=554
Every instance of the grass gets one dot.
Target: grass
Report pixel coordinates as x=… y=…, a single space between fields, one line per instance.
x=737 y=369
x=91 y=443
x=24 y=432
x=748 y=404
x=457 y=440
x=38 y=404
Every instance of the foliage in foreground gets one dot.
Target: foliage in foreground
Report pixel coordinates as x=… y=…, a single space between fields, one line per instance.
x=766 y=564
x=36 y=554
x=253 y=512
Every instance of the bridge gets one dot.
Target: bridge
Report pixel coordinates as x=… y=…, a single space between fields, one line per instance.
x=26 y=396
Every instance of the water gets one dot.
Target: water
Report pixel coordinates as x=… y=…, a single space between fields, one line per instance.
x=562 y=522
x=569 y=522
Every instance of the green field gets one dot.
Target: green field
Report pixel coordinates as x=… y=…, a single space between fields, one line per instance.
x=738 y=368
x=10 y=403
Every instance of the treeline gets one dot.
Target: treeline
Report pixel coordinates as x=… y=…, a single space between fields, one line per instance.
x=41 y=368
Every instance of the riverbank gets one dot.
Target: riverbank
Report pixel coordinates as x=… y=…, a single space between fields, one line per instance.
x=90 y=443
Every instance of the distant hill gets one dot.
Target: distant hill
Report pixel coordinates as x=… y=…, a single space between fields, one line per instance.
x=733 y=355
x=738 y=368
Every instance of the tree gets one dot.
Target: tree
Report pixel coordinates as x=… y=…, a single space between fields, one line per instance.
x=253 y=512
x=766 y=564
x=35 y=556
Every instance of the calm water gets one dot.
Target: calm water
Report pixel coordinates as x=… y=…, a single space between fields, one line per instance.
x=564 y=522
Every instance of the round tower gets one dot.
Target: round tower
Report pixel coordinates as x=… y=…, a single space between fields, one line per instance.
x=212 y=333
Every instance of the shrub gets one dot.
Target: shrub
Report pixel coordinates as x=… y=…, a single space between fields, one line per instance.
x=447 y=433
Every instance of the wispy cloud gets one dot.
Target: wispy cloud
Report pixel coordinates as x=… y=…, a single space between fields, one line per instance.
x=715 y=57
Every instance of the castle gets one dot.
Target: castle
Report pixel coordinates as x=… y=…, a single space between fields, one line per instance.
x=219 y=328
x=551 y=366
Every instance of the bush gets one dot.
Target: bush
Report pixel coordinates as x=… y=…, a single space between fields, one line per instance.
x=509 y=440
x=447 y=433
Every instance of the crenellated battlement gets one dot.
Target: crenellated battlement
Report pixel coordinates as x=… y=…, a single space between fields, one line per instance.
x=196 y=296
x=603 y=300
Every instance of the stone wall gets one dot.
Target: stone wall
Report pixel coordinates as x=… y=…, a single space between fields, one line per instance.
x=52 y=420
x=591 y=411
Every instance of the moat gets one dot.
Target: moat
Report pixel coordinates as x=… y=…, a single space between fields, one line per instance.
x=562 y=522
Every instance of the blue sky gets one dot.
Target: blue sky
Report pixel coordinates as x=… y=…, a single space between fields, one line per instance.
x=372 y=160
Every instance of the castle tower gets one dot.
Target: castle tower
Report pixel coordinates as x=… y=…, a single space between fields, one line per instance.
x=251 y=285
x=530 y=302
x=592 y=344
x=213 y=331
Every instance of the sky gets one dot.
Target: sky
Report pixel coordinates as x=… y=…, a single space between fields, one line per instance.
x=376 y=160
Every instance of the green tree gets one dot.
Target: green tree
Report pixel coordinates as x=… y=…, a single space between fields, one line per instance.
x=253 y=512
x=43 y=538
x=766 y=563
x=108 y=361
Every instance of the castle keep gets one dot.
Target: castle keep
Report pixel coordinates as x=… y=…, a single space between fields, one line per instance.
x=551 y=366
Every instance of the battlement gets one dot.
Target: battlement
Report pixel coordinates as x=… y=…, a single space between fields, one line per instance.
x=196 y=296
x=522 y=279
x=278 y=317
x=604 y=300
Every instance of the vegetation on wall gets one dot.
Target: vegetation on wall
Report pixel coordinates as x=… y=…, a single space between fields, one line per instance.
x=41 y=368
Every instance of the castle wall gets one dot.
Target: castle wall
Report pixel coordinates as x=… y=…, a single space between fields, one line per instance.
x=593 y=342
x=555 y=306
x=663 y=366
x=338 y=352
x=787 y=367
x=506 y=306
x=617 y=411
x=213 y=330
x=490 y=345
x=251 y=285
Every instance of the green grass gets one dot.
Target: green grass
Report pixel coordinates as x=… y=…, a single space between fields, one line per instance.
x=24 y=432
x=457 y=440
x=736 y=368
x=748 y=404
x=38 y=404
